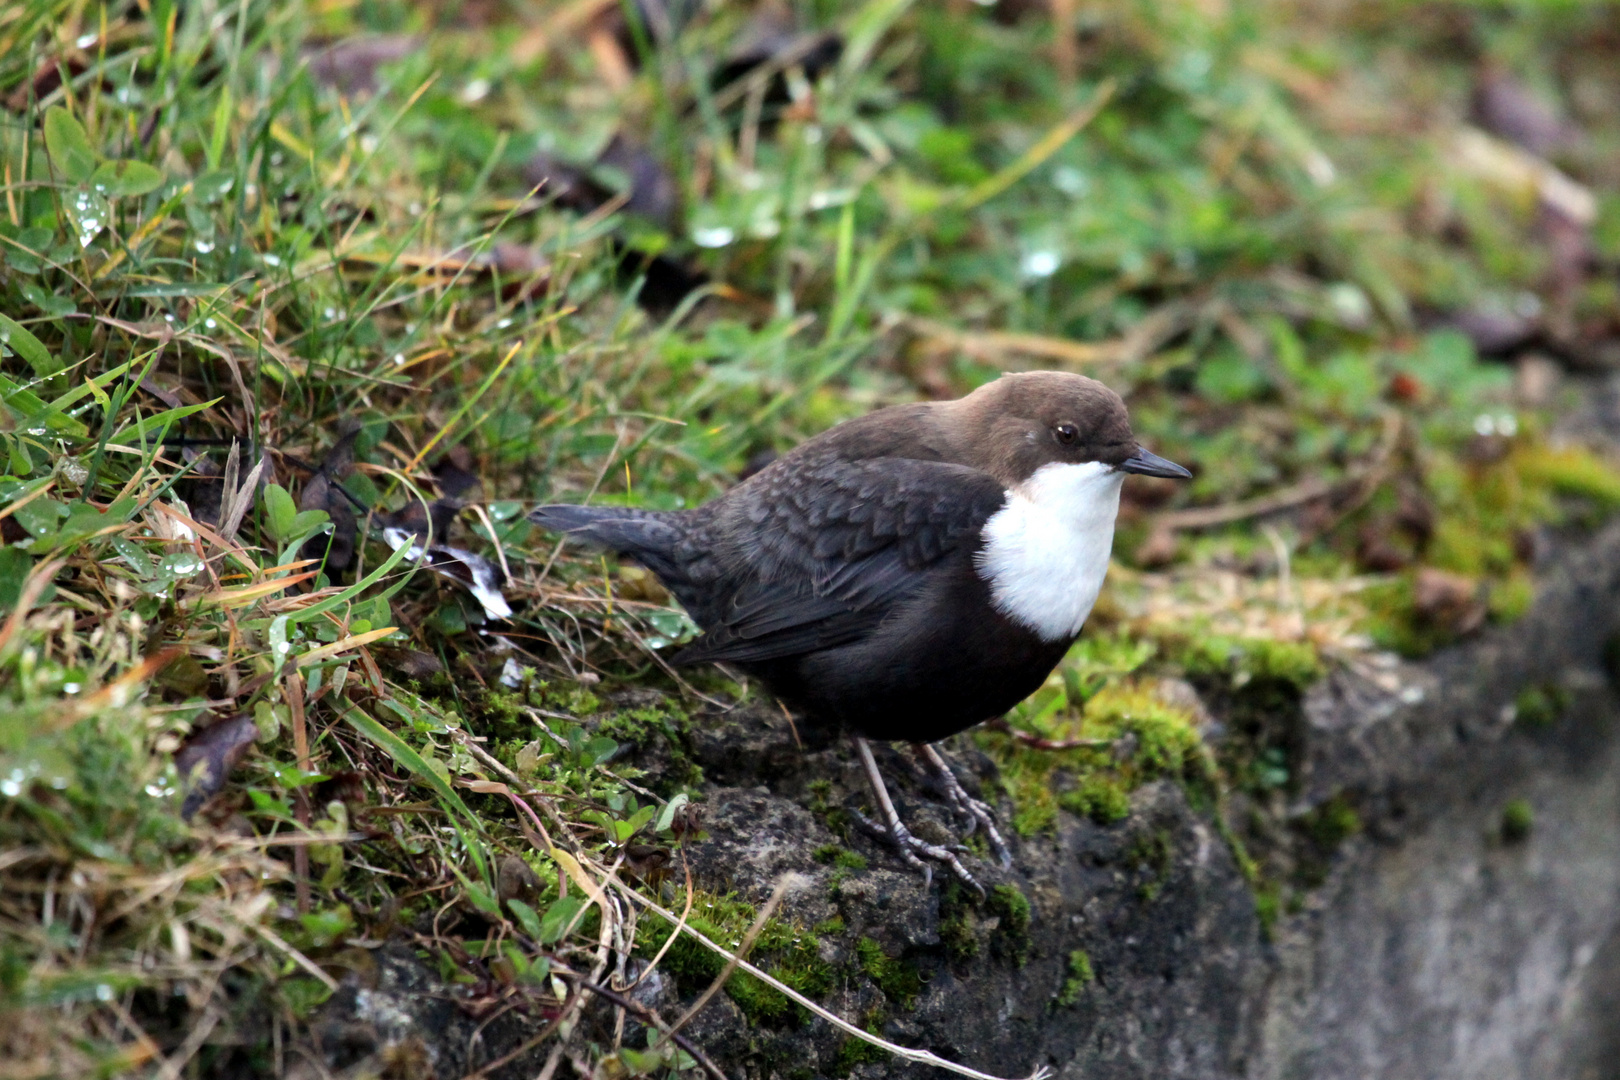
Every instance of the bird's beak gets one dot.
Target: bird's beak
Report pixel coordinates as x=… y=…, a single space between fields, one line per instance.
x=1147 y=463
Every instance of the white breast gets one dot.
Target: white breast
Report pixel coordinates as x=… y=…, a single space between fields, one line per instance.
x=1046 y=550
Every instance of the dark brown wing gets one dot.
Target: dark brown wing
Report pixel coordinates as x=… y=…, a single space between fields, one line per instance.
x=830 y=548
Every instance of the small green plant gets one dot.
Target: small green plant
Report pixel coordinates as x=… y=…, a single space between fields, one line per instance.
x=896 y=977
x=1079 y=977
x=1518 y=819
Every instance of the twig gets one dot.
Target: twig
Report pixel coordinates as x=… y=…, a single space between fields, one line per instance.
x=648 y=1015
x=783 y=884
x=922 y=1057
x=294 y=689
x=1040 y=742
x=528 y=1044
x=1360 y=485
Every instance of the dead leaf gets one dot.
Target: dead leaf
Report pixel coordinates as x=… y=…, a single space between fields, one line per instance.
x=324 y=491
x=209 y=757
x=1506 y=108
x=350 y=65
x=1451 y=602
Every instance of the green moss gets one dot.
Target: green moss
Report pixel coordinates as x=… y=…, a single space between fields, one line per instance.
x=641 y=726
x=898 y=979
x=1540 y=706
x=838 y=855
x=1241 y=660
x=1267 y=904
x=666 y=724
x=1162 y=742
x=1102 y=798
x=572 y=699
x=1012 y=932
x=833 y=927
x=1393 y=621
x=859 y=1052
x=1518 y=818
x=786 y=951
x=1570 y=471
x=503 y=717
x=1331 y=824
x=1029 y=782
x=835 y=817
x=1080 y=976
x=956 y=924
x=1151 y=853
x=1482 y=511
x=1512 y=597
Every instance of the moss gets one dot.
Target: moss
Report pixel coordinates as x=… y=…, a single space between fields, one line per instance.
x=840 y=856
x=1512 y=597
x=1243 y=659
x=503 y=717
x=898 y=979
x=644 y=727
x=1324 y=829
x=572 y=699
x=1162 y=741
x=956 y=925
x=1102 y=798
x=1482 y=512
x=1570 y=471
x=1518 y=818
x=1268 y=904
x=1151 y=852
x=855 y=1051
x=1540 y=706
x=786 y=951
x=1028 y=780
x=1012 y=932
x=833 y=927
x=1165 y=738
x=1080 y=976
x=835 y=817
x=1332 y=823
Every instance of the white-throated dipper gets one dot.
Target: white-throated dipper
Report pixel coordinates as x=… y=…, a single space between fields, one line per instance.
x=907 y=574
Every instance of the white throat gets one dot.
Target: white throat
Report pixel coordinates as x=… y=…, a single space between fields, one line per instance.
x=1046 y=550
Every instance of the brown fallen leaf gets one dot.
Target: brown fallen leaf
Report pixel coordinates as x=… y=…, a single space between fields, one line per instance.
x=1376 y=550
x=209 y=757
x=516 y=880
x=351 y=65
x=324 y=491
x=1507 y=108
x=1447 y=601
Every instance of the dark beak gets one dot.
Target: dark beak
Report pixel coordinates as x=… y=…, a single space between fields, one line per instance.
x=1146 y=463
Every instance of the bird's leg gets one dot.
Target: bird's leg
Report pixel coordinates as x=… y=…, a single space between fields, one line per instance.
x=895 y=832
x=975 y=811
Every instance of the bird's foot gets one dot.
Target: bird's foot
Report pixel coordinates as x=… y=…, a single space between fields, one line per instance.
x=892 y=830
x=974 y=811
x=913 y=850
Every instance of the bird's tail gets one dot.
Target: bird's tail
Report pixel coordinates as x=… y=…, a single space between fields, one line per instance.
x=647 y=536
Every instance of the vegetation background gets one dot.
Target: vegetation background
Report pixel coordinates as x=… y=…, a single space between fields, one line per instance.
x=292 y=292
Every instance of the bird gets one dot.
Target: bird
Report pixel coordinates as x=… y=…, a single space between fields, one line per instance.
x=904 y=575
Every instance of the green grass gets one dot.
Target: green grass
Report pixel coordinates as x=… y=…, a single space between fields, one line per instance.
x=204 y=241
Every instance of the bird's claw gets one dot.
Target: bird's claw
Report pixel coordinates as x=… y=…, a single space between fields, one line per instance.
x=974 y=811
x=912 y=850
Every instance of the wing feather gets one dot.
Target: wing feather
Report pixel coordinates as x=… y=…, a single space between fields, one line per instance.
x=839 y=546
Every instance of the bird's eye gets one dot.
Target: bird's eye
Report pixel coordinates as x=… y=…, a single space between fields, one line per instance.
x=1066 y=434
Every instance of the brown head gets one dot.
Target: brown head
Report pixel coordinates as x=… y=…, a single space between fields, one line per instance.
x=1020 y=422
